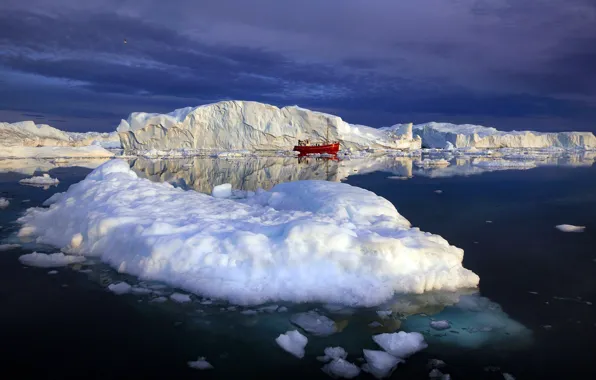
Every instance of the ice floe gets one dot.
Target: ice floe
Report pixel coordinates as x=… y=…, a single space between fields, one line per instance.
x=43 y=180
x=4 y=203
x=44 y=260
x=120 y=288
x=380 y=364
x=314 y=323
x=570 y=228
x=333 y=353
x=200 y=363
x=301 y=241
x=401 y=344
x=293 y=342
x=180 y=298
x=341 y=368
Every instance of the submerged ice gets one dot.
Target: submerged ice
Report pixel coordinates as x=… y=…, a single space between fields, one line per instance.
x=301 y=241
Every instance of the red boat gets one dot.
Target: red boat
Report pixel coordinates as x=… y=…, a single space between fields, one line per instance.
x=304 y=149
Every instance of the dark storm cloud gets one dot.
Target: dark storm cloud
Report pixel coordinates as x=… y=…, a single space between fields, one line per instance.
x=382 y=61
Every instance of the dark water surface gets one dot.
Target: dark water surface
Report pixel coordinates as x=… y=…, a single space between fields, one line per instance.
x=68 y=325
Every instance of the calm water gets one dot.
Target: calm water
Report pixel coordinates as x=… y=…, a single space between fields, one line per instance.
x=533 y=317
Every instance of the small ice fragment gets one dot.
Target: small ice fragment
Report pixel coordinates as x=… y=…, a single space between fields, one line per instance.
x=206 y=302
x=401 y=344
x=140 y=290
x=547 y=327
x=222 y=191
x=489 y=221
x=570 y=228
x=531 y=292
x=180 y=298
x=292 y=342
x=268 y=309
x=508 y=376
x=53 y=272
x=43 y=260
x=43 y=180
x=4 y=203
x=333 y=353
x=282 y=309
x=248 y=312
x=435 y=374
x=435 y=363
x=120 y=288
x=439 y=191
x=375 y=324
x=379 y=363
x=200 y=363
x=314 y=323
x=341 y=368
x=8 y=247
x=384 y=314
x=231 y=308
x=440 y=325
x=159 y=300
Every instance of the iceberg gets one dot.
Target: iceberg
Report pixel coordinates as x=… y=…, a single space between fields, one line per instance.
x=27 y=139
x=244 y=125
x=299 y=242
x=449 y=136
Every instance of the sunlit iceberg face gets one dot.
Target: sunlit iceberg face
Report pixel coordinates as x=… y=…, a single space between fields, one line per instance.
x=474 y=322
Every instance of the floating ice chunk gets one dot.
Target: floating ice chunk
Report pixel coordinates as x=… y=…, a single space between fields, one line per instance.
x=249 y=312
x=379 y=363
x=43 y=180
x=278 y=245
x=439 y=191
x=8 y=247
x=333 y=353
x=282 y=309
x=435 y=363
x=314 y=323
x=159 y=300
x=375 y=324
x=53 y=272
x=4 y=203
x=268 y=309
x=180 y=298
x=293 y=342
x=570 y=228
x=440 y=325
x=401 y=344
x=508 y=376
x=200 y=363
x=140 y=290
x=341 y=368
x=384 y=314
x=120 y=288
x=44 y=260
x=222 y=191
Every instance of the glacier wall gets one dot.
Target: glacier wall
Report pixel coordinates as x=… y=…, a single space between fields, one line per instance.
x=29 y=134
x=233 y=125
x=438 y=135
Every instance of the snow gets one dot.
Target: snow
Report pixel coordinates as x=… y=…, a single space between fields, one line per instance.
x=4 y=203
x=314 y=323
x=300 y=242
x=8 y=247
x=120 y=288
x=92 y=151
x=222 y=191
x=332 y=353
x=379 y=363
x=293 y=342
x=401 y=344
x=200 y=363
x=44 y=260
x=242 y=125
x=180 y=298
x=43 y=180
x=440 y=325
x=440 y=135
x=570 y=228
x=341 y=368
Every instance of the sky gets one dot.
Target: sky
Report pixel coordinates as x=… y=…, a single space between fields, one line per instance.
x=510 y=64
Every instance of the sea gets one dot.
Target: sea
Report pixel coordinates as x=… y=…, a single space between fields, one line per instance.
x=532 y=317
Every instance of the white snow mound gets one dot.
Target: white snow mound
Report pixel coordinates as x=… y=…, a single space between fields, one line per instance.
x=44 y=260
x=293 y=342
x=401 y=344
x=302 y=241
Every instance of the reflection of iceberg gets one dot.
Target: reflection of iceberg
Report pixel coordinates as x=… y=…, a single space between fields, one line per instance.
x=31 y=166
x=476 y=322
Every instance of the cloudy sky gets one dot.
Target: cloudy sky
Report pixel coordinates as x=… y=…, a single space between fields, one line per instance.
x=511 y=64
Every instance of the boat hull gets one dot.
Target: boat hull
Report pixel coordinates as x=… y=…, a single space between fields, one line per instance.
x=312 y=149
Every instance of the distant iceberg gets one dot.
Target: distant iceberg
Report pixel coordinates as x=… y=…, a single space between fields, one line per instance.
x=237 y=125
x=302 y=241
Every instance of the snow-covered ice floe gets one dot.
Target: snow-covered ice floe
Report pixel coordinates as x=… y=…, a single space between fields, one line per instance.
x=570 y=228
x=302 y=241
x=42 y=180
x=44 y=260
x=293 y=342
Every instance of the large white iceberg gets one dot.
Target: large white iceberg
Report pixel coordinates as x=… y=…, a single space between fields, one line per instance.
x=234 y=125
x=301 y=241
x=447 y=135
